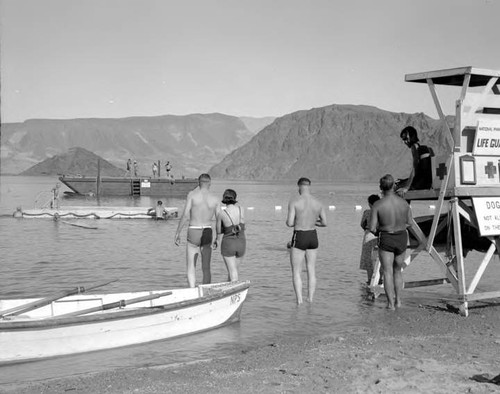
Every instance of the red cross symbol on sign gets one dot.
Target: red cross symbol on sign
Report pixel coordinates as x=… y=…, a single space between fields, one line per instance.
x=441 y=171
x=490 y=169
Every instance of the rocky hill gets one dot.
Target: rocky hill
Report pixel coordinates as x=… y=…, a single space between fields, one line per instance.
x=192 y=143
x=76 y=161
x=329 y=143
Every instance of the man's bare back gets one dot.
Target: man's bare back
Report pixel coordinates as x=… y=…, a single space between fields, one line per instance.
x=392 y=213
x=203 y=206
x=306 y=210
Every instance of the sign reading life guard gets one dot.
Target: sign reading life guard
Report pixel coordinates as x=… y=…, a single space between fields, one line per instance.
x=487 y=139
x=488 y=215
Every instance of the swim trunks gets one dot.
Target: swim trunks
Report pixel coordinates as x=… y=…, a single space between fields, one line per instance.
x=393 y=242
x=199 y=235
x=305 y=239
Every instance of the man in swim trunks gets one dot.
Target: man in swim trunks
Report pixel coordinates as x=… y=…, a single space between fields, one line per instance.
x=391 y=215
x=305 y=212
x=201 y=207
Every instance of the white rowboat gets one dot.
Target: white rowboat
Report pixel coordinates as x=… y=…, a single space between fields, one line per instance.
x=32 y=329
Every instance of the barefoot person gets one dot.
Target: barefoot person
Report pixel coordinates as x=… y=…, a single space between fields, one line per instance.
x=231 y=228
x=304 y=213
x=201 y=207
x=391 y=215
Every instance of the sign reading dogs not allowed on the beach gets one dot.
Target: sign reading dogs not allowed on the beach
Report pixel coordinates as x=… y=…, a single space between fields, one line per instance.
x=488 y=215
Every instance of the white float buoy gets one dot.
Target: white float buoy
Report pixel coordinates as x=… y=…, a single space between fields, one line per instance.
x=277 y=207
x=358 y=207
x=250 y=208
x=331 y=207
x=432 y=207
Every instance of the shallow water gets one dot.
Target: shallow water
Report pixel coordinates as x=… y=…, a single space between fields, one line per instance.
x=40 y=256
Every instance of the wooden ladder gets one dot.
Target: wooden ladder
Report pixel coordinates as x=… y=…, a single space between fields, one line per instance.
x=136 y=187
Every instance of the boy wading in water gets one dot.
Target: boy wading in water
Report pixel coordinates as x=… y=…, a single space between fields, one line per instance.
x=305 y=212
x=391 y=215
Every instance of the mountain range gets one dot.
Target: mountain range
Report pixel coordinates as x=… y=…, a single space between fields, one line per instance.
x=336 y=142
x=192 y=143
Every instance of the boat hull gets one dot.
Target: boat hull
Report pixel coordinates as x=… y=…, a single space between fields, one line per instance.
x=116 y=186
x=41 y=334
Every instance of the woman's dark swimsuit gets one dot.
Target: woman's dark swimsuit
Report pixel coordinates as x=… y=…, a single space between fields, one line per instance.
x=305 y=239
x=393 y=242
x=233 y=241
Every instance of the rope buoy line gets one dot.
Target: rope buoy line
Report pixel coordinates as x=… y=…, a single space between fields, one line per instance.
x=58 y=215
x=71 y=214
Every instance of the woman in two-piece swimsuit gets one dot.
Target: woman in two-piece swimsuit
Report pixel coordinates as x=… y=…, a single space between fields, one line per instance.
x=231 y=227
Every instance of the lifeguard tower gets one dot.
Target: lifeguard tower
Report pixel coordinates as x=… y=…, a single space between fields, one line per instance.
x=466 y=182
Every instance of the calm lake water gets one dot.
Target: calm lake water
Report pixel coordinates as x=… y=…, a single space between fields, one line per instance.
x=39 y=257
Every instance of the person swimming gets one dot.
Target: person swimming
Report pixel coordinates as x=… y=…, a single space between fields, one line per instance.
x=158 y=212
x=18 y=212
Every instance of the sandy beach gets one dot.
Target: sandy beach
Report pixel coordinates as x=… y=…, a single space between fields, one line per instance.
x=424 y=349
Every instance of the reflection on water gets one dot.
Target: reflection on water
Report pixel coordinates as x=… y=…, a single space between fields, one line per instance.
x=40 y=257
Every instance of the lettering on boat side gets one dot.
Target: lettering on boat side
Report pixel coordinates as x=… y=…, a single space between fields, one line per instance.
x=235 y=298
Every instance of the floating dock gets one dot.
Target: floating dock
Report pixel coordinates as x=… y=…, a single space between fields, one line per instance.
x=123 y=186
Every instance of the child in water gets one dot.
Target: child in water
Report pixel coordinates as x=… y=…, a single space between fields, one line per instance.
x=369 y=246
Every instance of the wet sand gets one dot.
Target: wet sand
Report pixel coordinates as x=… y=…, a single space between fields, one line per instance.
x=413 y=350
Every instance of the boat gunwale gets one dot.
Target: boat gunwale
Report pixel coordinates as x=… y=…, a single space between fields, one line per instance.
x=55 y=322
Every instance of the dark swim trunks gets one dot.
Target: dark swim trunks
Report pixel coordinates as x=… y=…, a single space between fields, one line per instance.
x=393 y=242
x=304 y=240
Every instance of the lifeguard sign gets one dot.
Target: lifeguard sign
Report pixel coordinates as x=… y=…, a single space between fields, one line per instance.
x=487 y=139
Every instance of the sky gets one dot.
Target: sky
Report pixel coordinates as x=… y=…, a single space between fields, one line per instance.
x=65 y=59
